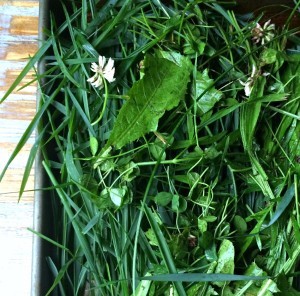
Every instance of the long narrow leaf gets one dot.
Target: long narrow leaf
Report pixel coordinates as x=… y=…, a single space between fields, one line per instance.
x=202 y=277
x=31 y=127
x=32 y=62
x=164 y=249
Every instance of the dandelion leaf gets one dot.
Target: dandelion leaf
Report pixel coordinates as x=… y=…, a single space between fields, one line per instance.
x=161 y=88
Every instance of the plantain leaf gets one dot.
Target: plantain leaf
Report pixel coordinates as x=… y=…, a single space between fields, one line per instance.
x=250 y=113
x=161 y=88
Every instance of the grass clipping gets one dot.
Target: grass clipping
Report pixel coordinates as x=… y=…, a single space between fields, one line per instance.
x=173 y=159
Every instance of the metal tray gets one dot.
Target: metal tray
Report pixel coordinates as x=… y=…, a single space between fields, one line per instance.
x=42 y=278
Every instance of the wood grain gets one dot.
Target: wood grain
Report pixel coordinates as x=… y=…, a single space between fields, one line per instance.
x=18 y=41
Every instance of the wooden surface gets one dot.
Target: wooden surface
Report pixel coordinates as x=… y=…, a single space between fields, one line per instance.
x=18 y=40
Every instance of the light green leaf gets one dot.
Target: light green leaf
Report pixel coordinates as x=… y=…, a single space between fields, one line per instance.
x=268 y=56
x=202 y=225
x=151 y=237
x=94 y=145
x=225 y=259
x=206 y=95
x=143 y=287
x=250 y=286
x=162 y=87
x=179 y=204
x=268 y=287
x=253 y=269
x=117 y=195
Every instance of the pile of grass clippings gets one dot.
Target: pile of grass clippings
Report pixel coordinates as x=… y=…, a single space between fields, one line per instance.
x=170 y=134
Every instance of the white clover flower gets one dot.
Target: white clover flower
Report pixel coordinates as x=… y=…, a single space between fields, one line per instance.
x=102 y=71
x=263 y=33
x=248 y=85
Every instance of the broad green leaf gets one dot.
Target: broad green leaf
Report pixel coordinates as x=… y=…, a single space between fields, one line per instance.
x=254 y=270
x=179 y=204
x=104 y=201
x=251 y=287
x=211 y=153
x=163 y=198
x=240 y=224
x=206 y=95
x=211 y=254
x=117 y=195
x=172 y=56
x=268 y=56
x=225 y=259
x=151 y=237
x=162 y=87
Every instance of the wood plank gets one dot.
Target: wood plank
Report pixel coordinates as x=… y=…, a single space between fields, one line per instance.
x=17 y=25
x=18 y=41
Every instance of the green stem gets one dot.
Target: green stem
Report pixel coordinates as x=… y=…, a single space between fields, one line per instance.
x=104 y=102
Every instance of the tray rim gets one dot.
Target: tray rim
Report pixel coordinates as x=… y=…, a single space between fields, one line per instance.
x=39 y=280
